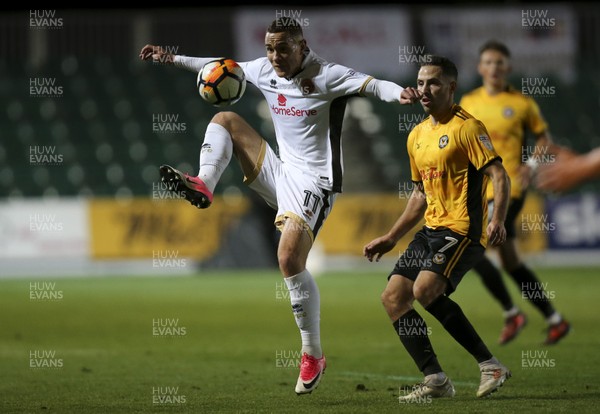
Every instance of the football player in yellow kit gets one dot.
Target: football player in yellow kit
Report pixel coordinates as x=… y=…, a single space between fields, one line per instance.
x=506 y=114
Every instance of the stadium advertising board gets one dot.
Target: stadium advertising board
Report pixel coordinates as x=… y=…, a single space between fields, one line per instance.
x=143 y=227
x=383 y=36
x=577 y=220
x=542 y=37
x=38 y=228
x=358 y=218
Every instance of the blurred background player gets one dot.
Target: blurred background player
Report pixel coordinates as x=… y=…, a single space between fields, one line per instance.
x=506 y=113
x=307 y=98
x=568 y=171
x=451 y=158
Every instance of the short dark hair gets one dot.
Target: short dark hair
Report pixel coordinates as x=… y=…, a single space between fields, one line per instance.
x=448 y=67
x=495 y=45
x=286 y=25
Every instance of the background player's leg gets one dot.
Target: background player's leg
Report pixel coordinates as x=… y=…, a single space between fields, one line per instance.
x=514 y=319
x=532 y=289
x=492 y=280
x=527 y=281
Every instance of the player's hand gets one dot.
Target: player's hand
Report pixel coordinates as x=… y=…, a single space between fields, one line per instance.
x=564 y=153
x=496 y=233
x=410 y=95
x=378 y=247
x=560 y=175
x=156 y=54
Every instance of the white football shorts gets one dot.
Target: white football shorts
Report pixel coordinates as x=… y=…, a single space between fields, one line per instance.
x=292 y=192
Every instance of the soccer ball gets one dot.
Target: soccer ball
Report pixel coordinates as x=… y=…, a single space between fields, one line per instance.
x=221 y=82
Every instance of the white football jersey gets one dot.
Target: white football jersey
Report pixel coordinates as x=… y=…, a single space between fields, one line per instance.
x=307 y=113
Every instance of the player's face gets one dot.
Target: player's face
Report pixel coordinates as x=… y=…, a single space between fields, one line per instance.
x=437 y=89
x=284 y=53
x=493 y=67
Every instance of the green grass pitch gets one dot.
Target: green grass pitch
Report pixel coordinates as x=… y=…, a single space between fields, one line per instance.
x=226 y=342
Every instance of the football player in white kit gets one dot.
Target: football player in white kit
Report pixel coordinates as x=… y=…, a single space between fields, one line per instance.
x=307 y=97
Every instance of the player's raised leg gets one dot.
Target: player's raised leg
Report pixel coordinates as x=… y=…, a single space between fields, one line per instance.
x=226 y=134
x=294 y=246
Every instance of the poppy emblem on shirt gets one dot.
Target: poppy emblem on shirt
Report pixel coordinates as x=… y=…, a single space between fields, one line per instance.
x=443 y=141
x=508 y=112
x=281 y=100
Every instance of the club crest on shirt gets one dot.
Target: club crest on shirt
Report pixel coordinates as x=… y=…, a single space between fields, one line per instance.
x=485 y=140
x=307 y=86
x=439 y=258
x=508 y=112
x=281 y=100
x=443 y=141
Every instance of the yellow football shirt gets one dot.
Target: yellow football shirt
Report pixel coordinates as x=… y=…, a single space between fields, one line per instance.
x=505 y=116
x=448 y=158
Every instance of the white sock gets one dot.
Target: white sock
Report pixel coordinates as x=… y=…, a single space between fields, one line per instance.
x=436 y=379
x=491 y=361
x=215 y=154
x=514 y=311
x=554 y=318
x=304 y=295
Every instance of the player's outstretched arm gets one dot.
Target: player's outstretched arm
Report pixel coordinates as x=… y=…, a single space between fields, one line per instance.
x=410 y=96
x=569 y=171
x=409 y=218
x=156 y=54
x=391 y=92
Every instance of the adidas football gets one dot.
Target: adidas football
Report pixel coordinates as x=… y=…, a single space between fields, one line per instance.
x=221 y=82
